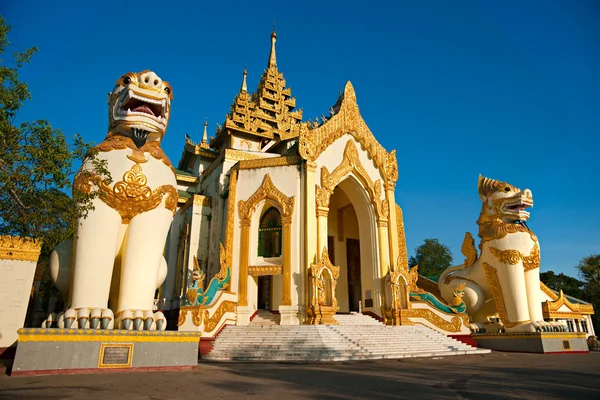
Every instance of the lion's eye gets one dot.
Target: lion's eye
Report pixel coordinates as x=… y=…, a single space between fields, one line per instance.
x=127 y=80
x=168 y=90
x=507 y=189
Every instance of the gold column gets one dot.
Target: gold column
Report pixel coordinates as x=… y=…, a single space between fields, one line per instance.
x=287 y=260
x=244 y=252
x=384 y=261
x=322 y=213
x=310 y=241
x=392 y=226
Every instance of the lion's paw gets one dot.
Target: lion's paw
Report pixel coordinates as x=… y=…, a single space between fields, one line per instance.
x=141 y=320
x=82 y=318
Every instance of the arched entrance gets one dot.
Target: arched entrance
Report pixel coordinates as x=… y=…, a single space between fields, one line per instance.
x=352 y=245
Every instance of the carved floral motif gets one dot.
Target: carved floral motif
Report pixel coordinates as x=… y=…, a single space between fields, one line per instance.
x=19 y=248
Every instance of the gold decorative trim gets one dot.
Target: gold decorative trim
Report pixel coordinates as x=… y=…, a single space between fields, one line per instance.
x=528 y=335
x=19 y=248
x=101 y=363
x=260 y=270
x=186 y=178
x=210 y=323
x=453 y=325
x=492 y=280
x=351 y=164
x=233 y=175
x=323 y=299
x=312 y=142
x=575 y=309
x=240 y=155
x=114 y=141
x=204 y=201
x=267 y=190
x=270 y=162
x=104 y=335
x=402 y=262
x=513 y=257
x=131 y=196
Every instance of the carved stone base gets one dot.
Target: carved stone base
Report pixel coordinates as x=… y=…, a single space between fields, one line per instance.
x=546 y=342
x=244 y=313
x=322 y=315
x=60 y=351
x=288 y=315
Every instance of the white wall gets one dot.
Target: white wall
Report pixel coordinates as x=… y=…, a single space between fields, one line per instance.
x=16 y=280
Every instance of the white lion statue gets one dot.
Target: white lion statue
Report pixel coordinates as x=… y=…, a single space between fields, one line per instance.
x=502 y=284
x=108 y=275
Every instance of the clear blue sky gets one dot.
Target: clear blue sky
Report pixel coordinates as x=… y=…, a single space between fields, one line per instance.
x=507 y=89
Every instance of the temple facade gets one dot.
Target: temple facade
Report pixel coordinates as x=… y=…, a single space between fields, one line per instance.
x=297 y=218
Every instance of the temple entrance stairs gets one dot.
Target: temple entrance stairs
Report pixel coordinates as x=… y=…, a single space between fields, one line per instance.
x=357 y=337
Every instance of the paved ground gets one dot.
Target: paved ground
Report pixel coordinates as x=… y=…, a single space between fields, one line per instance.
x=491 y=376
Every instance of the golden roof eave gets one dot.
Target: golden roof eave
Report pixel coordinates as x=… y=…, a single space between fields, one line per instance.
x=551 y=308
x=19 y=248
x=347 y=121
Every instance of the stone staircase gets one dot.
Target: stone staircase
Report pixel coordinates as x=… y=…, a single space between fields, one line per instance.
x=357 y=337
x=265 y=318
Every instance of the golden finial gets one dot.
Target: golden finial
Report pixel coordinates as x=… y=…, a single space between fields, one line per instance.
x=244 y=86
x=205 y=135
x=272 y=58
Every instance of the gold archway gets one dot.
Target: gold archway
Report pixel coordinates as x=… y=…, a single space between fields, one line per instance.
x=267 y=190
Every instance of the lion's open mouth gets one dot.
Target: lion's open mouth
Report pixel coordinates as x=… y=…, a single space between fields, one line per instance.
x=518 y=207
x=135 y=104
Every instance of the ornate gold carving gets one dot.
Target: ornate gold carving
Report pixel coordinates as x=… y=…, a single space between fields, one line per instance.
x=260 y=270
x=267 y=190
x=351 y=164
x=402 y=263
x=312 y=142
x=182 y=317
x=131 y=196
x=492 y=280
x=240 y=155
x=449 y=326
x=270 y=162
x=233 y=175
x=116 y=141
x=513 y=257
x=413 y=277
x=550 y=309
x=210 y=323
x=323 y=277
x=468 y=250
x=224 y=266
x=19 y=248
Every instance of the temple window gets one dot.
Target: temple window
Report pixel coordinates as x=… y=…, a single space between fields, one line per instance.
x=269 y=233
x=570 y=325
x=584 y=326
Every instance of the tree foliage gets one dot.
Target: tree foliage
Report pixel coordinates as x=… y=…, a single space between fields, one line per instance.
x=569 y=285
x=432 y=257
x=589 y=272
x=36 y=164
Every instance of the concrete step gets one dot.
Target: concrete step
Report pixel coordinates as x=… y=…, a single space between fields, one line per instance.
x=357 y=337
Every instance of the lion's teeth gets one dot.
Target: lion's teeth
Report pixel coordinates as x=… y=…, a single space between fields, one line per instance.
x=129 y=111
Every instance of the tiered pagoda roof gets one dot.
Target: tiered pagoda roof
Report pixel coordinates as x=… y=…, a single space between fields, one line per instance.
x=268 y=113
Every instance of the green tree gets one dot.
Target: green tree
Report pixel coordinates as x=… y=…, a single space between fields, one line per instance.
x=432 y=257
x=589 y=272
x=37 y=164
x=568 y=284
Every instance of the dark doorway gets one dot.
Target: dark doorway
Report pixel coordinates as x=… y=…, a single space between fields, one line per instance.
x=353 y=263
x=264 y=293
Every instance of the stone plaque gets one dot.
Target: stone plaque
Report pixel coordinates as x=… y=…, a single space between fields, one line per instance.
x=115 y=355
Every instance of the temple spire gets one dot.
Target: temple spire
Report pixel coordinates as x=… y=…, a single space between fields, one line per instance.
x=272 y=58
x=244 y=86
x=205 y=135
